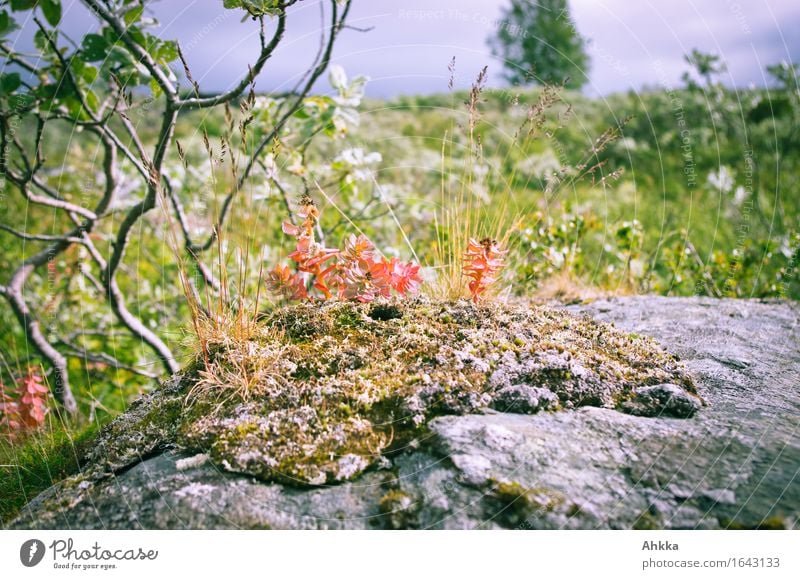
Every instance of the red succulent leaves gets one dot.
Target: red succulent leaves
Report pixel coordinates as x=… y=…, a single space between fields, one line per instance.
x=483 y=261
x=33 y=399
x=354 y=273
x=365 y=275
x=311 y=257
x=24 y=409
x=403 y=277
x=290 y=286
x=10 y=413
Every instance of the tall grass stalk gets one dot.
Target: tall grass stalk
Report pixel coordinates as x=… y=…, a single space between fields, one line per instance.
x=461 y=215
x=228 y=311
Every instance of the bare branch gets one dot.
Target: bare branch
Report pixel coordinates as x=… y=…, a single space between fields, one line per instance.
x=23 y=180
x=137 y=142
x=36 y=237
x=17 y=59
x=266 y=52
x=115 y=295
x=207 y=275
x=22 y=165
x=30 y=323
x=13 y=292
x=86 y=272
x=49 y=201
x=180 y=214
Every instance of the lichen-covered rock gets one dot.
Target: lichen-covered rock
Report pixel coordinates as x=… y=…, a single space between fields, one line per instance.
x=319 y=393
x=293 y=445
x=388 y=422
x=147 y=427
x=524 y=399
x=662 y=400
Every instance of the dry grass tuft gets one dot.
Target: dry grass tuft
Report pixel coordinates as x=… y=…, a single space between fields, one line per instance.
x=247 y=370
x=250 y=365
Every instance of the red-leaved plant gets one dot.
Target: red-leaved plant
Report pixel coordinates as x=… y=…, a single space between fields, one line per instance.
x=356 y=272
x=25 y=408
x=483 y=261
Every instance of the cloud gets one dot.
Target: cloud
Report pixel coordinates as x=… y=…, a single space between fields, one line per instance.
x=748 y=35
x=410 y=42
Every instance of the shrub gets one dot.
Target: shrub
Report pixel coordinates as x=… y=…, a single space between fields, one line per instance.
x=483 y=261
x=356 y=272
x=24 y=409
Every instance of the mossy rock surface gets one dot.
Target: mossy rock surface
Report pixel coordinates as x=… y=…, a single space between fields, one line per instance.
x=554 y=422
x=322 y=392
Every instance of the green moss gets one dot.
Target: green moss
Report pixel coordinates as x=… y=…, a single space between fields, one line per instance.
x=647 y=521
x=513 y=505
x=398 y=510
x=144 y=431
x=349 y=318
x=774 y=523
x=509 y=492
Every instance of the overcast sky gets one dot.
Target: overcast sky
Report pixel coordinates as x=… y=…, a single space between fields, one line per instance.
x=633 y=43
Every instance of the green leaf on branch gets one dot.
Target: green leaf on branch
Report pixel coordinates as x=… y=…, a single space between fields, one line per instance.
x=167 y=51
x=256 y=7
x=133 y=31
x=91 y=99
x=41 y=41
x=155 y=88
x=9 y=82
x=133 y=15
x=7 y=24
x=302 y=113
x=19 y=5
x=51 y=10
x=21 y=102
x=83 y=71
x=94 y=47
x=48 y=96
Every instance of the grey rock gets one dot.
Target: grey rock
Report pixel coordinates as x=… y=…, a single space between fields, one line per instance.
x=662 y=400
x=524 y=399
x=733 y=464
